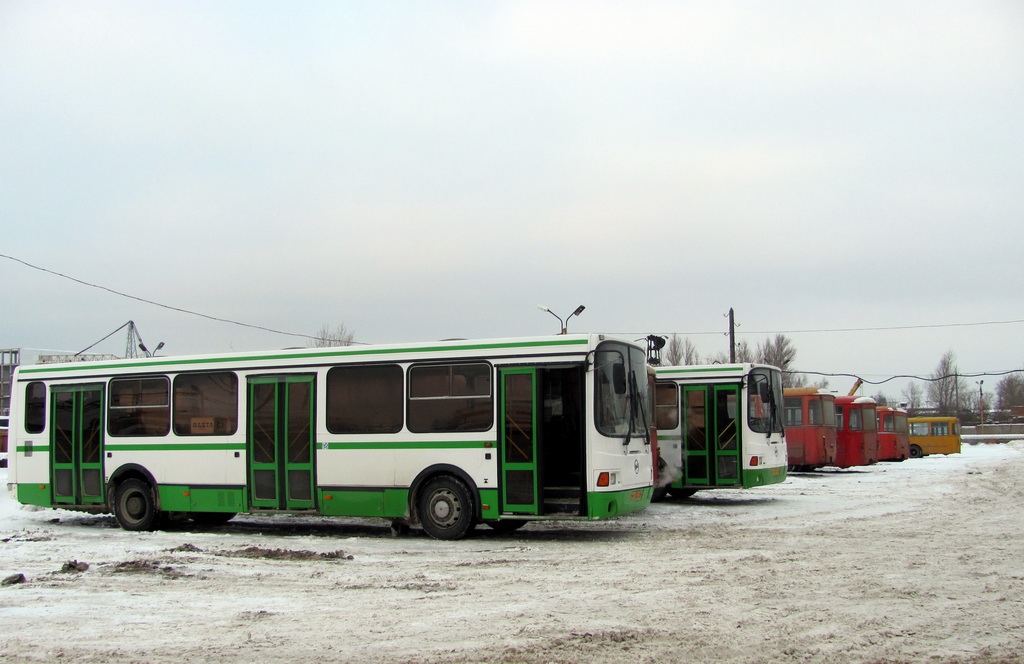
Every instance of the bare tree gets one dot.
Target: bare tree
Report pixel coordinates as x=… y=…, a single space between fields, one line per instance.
x=680 y=351
x=946 y=389
x=881 y=399
x=325 y=337
x=674 y=351
x=778 y=352
x=913 y=395
x=721 y=357
x=744 y=353
x=1010 y=391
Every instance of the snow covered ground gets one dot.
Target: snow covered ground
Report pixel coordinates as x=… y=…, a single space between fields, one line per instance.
x=915 y=561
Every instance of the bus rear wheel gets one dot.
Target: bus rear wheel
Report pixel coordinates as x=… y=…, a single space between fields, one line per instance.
x=916 y=452
x=135 y=506
x=446 y=508
x=681 y=493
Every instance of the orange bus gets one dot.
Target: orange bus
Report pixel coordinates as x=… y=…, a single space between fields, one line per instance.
x=810 y=419
x=934 y=435
x=856 y=432
x=893 y=434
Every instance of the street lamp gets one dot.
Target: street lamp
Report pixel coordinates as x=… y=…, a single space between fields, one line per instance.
x=564 y=324
x=145 y=350
x=981 y=406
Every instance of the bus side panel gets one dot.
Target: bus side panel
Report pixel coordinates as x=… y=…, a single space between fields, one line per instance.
x=34 y=494
x=379 y=476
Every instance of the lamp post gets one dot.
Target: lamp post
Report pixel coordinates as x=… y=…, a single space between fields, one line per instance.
x=564 y=324
x=981 y=406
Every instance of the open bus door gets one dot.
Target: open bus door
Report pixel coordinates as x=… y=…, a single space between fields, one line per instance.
x=541 y=436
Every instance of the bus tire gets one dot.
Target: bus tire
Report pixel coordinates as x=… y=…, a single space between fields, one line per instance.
x=211 y=518
x=659 y=493
x=446 y=509
x=135 y=505
x=681 y=493
x=916 y=452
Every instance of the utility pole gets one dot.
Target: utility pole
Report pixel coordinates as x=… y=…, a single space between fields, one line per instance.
x=732 y=337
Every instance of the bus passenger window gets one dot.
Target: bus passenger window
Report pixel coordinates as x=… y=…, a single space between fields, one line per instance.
x=139 y=407
x=450 y=397
x=365 y=399
x=206 y=404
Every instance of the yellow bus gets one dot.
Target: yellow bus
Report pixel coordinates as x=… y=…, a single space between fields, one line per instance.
x=934 y=435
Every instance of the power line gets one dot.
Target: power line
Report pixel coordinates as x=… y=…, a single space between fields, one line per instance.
x=843 y=329
x=156 y=304
x=929 y=379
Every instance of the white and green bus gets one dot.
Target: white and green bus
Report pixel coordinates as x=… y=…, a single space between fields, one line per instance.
x=719 y=425
x=446 y=434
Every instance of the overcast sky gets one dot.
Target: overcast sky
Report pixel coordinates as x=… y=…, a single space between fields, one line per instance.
x=419 y=171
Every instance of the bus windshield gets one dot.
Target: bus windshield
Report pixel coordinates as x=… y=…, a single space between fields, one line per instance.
x=764 y=404
x=623 y=392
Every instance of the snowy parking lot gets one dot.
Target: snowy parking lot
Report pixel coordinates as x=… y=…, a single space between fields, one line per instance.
x=915 y=561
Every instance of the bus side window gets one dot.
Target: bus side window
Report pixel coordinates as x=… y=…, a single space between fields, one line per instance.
x=206 y=404
x=35 y=407
x=667 y=406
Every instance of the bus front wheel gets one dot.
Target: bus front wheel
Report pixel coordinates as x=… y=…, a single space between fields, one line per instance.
x=916 y=452
x=446 y=508
x=135 y=506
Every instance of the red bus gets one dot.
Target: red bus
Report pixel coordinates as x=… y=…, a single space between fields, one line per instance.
x=856 y=432
x=893 y=434
x=810 y=419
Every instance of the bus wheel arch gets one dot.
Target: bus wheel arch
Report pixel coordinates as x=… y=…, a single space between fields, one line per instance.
x=443 y=502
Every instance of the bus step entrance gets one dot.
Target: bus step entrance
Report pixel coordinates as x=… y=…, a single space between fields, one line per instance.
x=561 y=500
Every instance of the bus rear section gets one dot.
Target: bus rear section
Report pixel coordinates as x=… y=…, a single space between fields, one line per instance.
x=445 y=435
x=810 y=428
x=893 y=434
x=934 y=435
x=719 y=426
x=856 y=431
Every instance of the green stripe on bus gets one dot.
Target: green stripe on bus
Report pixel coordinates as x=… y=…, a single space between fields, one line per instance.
x=354 y=352
x=42 y=449
x=413 y=445
x=702 y=369
x=169 y=447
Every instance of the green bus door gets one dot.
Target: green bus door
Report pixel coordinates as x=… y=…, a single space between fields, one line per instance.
x=711 y=435
x=281 y=423
x=519 y=441
x=76 y=442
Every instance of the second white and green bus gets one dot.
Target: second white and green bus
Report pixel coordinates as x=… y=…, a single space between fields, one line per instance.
x=445 y=435
x=719 y=425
